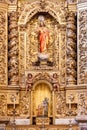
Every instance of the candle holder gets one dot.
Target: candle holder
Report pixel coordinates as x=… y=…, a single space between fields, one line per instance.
x=70 y=124
x=13 y=123
x=13 y=99
x=71 y=98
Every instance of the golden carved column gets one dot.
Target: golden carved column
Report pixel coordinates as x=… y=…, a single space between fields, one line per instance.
x=13 y=48
x=71 y=49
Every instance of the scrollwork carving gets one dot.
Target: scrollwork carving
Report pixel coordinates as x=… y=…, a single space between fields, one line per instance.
x=60 y=104
x=50 y=7
x=3 y=104
x=3 y=48
x=25 y=104
x=62 y=54
x=42 y=76
x=82 y=103
x=82 y=47
x=42 y=4
x=22 y=57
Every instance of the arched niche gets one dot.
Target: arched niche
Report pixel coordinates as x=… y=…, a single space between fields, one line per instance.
x=41 y=89
x=32 y=39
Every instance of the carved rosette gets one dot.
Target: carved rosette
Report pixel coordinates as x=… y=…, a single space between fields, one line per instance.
x=71 y=49
x=82 y=47
x=3 y=48
x=13 y=49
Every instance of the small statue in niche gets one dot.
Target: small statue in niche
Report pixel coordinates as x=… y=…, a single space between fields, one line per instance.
x=43 y=35
x=29 y=82
x=45 y=104
x=42 y=109
x=43 y=43
x=55 y=82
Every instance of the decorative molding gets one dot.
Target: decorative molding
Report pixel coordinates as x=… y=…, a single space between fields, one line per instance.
x=82 y=103
x=22 y=57
x=82 y=1
x=32 y=79
x=82 y=6
x=12 y=8
x=3 y=104
x=12 y=2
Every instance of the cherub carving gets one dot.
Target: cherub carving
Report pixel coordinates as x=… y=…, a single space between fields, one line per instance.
x=29 y=82
x=55 y=82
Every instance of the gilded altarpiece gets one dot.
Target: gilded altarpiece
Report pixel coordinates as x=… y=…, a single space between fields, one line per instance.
x=43 y=75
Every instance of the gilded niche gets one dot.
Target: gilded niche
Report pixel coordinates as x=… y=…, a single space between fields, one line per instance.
x=41 y=41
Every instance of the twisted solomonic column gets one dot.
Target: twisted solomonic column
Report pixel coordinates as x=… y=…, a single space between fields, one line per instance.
x=13 y=49
x=71 y=49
